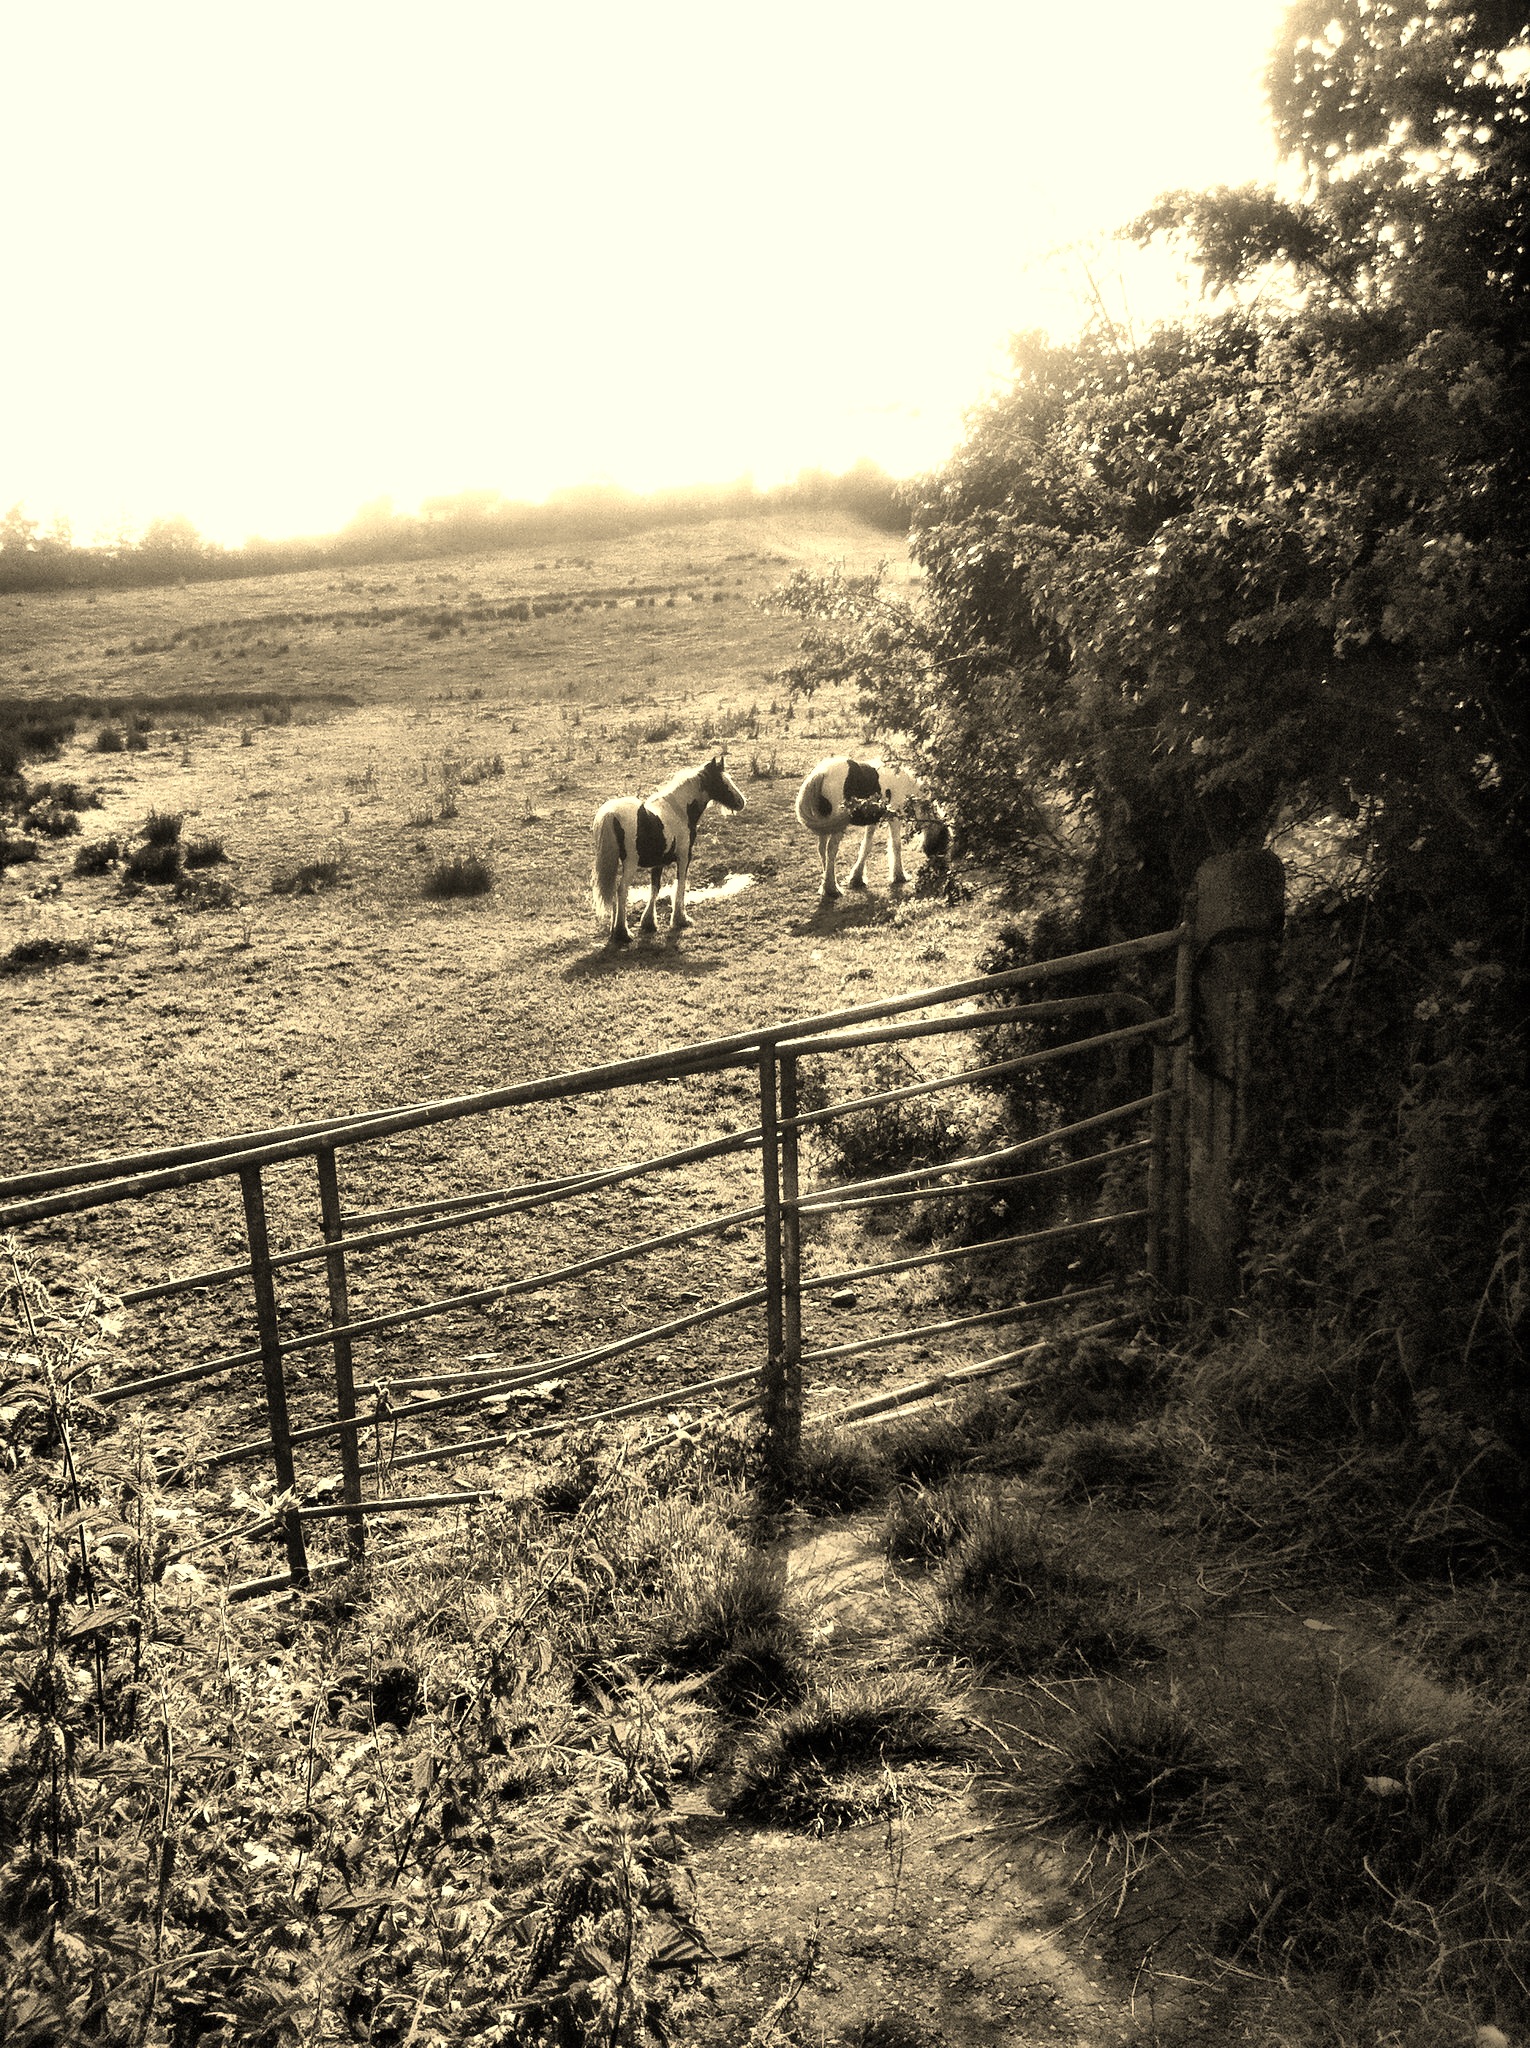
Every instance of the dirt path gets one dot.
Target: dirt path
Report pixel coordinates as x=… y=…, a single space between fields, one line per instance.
x=925 y=1919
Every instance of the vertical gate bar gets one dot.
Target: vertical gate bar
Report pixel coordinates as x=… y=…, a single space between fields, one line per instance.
x=266 y=1317
x=791 y=1265
x=345 y=1382
x=774 y=1377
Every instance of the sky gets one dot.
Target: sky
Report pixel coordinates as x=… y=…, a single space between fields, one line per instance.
x=263 y=265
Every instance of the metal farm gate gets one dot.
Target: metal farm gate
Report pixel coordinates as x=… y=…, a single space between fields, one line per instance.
x=310 y=1289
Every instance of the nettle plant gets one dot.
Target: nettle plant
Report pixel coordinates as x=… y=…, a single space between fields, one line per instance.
x=379 y=1814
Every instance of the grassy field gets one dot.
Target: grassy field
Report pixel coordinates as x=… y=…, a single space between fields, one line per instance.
x=1057 y=1714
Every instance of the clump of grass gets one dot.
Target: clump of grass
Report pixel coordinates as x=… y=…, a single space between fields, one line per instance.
x=156 y=861
x=110 y=741
x=921 y=1447
x=1126 y=1764
x=1102 y=1458
x=206 y=892
x=14 y=853
x=833 y=1760
x=928 y=1522
x=307 y=880
x=661 y=729
x=839 y=1469
x=1012 y=1596
x=162 y=828
x=460 y=874
x=728 y=1616
x=205 y=852
x=29 y=956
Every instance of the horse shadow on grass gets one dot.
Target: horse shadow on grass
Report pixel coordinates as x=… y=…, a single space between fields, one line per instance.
x=850 y=912
x=645 y=956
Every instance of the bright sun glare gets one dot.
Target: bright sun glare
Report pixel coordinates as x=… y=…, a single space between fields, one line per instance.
x=276 y=262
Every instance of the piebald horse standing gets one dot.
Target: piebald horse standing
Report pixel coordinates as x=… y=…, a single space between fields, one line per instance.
x=654 y=833
x=841 y=795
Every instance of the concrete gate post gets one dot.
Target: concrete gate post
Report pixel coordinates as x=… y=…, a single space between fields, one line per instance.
x=1233 y=918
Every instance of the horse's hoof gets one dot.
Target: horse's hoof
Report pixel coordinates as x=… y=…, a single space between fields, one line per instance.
x=682 y=923
x=620 y=938
x=856 y=882
x=828 y=895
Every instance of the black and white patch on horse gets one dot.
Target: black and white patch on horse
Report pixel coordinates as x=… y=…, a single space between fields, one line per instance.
x=843 y=794
x=653 y=833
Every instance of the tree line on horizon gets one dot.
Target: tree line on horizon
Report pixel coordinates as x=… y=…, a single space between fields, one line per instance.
x=171 y=550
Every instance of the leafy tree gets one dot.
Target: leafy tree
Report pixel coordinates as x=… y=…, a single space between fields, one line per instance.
x=1264 y=574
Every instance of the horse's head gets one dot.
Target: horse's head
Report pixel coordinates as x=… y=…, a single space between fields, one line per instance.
x=937 y=840
x=719 y=787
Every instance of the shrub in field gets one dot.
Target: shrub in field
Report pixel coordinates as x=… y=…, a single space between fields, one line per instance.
x=32 y=732
x=204 y=852
x=50 y=819
x=110 y=741
x=162 y=828
x=28 y=956
x=308 y=880
x=68 y=796
x=15 y=852
x=155 y=861
x=96 y=856
x=206 y=892
x=461 y=874
x=887 y=1137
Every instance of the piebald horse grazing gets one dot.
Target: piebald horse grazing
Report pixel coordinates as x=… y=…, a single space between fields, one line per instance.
x=842 y=795
x=654 y=832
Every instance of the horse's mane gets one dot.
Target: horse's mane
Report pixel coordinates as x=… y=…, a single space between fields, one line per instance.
x=679 y=781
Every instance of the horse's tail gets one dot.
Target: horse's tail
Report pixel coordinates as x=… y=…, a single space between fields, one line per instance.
x=607 y=861
x=811 y=808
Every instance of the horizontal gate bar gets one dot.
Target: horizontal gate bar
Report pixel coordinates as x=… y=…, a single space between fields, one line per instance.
x=977 y=1020
x=969 y=1251
x=982 y=1368
x=443 y=1453
x=1012 y=1065
x=827 y=1205
x=543 y=1369
x=987 y=1315
x=123 y=1178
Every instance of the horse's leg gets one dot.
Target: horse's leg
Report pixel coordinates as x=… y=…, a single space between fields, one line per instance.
x=856 y=879
x=895 y=874
x=649 y=921
x=620 y=936
x=679 y=918
x=830 y=889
